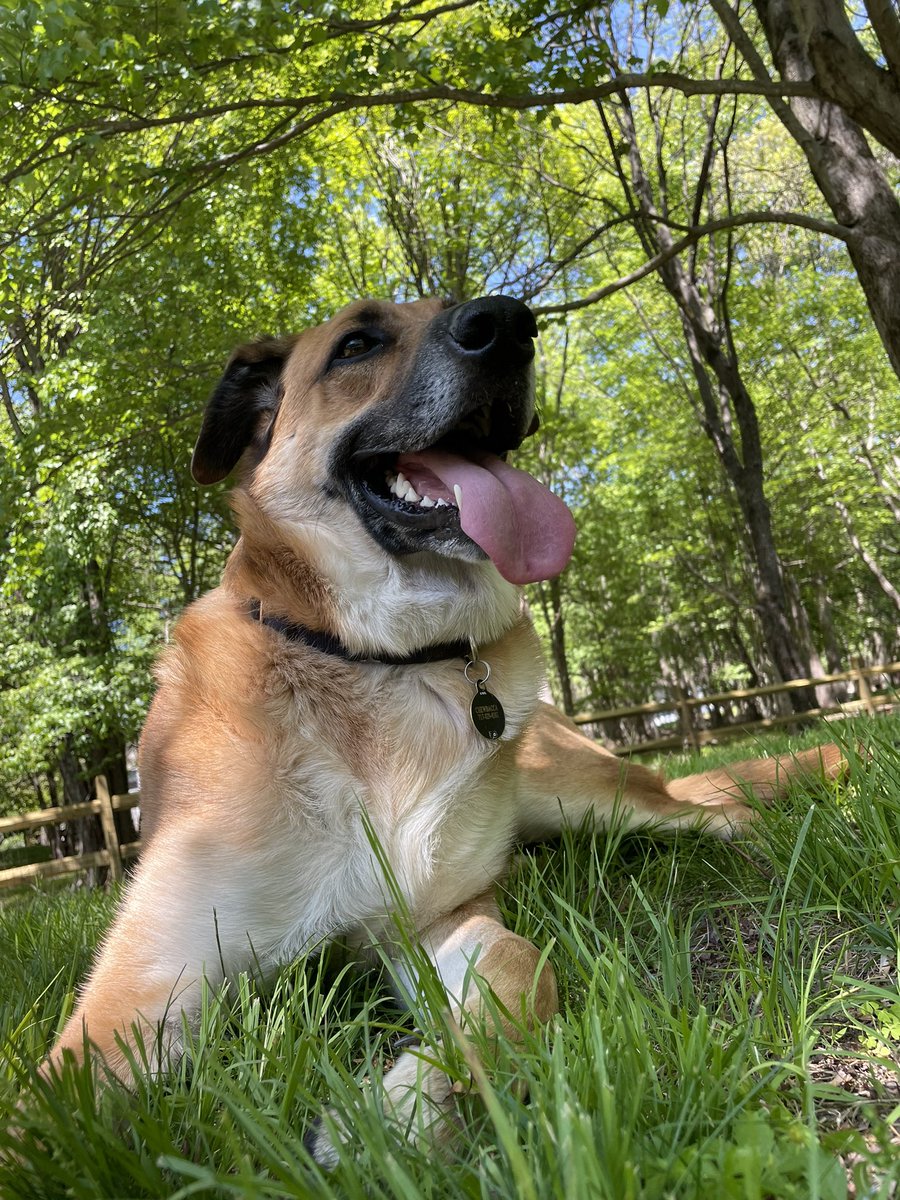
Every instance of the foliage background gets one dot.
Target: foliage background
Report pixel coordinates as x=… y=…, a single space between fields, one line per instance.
x=703 y=211
x=182 y=176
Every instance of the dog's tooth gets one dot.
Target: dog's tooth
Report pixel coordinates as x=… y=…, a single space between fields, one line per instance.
x=457 y=492
x=401 y=483
x=426 y=502
x=411 y=494
x=441 y=504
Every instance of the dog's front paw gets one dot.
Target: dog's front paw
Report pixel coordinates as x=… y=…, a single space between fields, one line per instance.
x=320 y=1144
x=418 y=1100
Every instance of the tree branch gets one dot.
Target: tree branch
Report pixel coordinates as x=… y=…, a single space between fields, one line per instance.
x=340 y=101
x=762 y=217
x=886 y=23
x=845 y=73
x=10 y=407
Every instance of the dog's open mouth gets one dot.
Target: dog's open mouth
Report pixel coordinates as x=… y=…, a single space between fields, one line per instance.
x=451 y=495
x=425 y=468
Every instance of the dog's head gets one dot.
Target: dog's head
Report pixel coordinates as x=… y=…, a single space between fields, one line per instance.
x=405 y=414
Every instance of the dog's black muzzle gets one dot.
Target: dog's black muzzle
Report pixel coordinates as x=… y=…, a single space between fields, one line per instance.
x=470 y=385
x=486 y=348
x=495 y=332
x=469 y=391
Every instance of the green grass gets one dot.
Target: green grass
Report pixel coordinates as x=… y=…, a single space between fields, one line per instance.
x=730 y=1027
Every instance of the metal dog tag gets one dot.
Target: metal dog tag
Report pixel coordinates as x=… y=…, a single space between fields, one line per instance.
x=488 y=716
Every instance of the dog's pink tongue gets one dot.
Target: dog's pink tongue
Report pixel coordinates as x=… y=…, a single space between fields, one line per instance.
x=524 y=529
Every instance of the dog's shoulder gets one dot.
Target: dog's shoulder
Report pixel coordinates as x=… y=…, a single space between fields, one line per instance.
x=216 y=655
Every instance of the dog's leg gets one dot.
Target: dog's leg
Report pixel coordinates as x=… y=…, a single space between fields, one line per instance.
x=564 y=777
x=418 y=1096
x=185 y=917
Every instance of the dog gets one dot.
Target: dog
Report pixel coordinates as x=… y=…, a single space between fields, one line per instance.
x=366 y=674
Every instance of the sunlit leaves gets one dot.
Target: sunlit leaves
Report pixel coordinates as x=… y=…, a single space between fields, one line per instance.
x=169 y=191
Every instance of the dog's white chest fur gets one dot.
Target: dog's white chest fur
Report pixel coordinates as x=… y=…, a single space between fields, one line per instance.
x=414 y=803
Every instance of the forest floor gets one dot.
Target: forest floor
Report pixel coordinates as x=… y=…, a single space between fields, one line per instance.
x=730 y=1027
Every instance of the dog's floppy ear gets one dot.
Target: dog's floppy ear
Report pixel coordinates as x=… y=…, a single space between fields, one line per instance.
x=249 y=389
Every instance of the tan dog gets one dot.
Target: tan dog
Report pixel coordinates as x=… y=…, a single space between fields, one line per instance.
x=324 y=687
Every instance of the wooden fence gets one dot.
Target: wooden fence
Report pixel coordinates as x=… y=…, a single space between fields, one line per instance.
x=689 y=736
x=114 y=854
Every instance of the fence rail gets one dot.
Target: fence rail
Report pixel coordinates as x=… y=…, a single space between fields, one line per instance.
x=114 y=854
x=691 y=736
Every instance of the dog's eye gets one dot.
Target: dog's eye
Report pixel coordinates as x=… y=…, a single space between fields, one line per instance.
x=355 y=345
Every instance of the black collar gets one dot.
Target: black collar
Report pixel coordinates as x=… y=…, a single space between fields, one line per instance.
x=327 y=643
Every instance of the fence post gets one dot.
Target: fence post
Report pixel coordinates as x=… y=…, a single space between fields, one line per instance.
x=688 y=732
x=108 y=823
x=862 y=685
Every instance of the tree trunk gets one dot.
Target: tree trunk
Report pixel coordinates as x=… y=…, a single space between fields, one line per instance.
x=558 y=647
x=551 y=605
x=110 y=761
x=834 y=659
x=107 y=757
x=83 y=836
x=52 y=835
x=848 y=175
x=845 y=72
x=724 y=398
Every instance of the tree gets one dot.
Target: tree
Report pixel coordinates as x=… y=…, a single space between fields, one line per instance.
x=210 y=89
x=242 y=169
x=727 y=413
x=854 y=66
x=852 y=181
x=105 y=538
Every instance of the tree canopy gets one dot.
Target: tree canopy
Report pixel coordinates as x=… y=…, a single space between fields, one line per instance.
x=697 y=200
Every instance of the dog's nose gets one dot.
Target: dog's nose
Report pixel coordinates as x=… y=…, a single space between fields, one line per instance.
x=494 y=328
